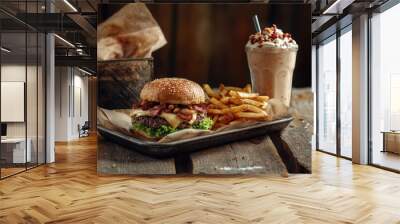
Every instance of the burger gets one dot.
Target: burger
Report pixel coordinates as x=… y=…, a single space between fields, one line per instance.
x=168 y=105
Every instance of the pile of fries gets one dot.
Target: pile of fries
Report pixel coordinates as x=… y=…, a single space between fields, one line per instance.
x=231 y=104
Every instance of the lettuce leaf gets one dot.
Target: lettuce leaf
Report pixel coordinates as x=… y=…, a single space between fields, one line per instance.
x=154 y=132
x=205 y=124
x=164 y=130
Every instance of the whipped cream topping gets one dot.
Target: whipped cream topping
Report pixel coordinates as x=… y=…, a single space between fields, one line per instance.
x=272 y=37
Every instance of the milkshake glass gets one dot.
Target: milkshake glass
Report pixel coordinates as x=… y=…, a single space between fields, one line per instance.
x=271 y=55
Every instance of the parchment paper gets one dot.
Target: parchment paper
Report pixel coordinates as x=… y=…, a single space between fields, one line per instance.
x=131 y=32
x=119 y=120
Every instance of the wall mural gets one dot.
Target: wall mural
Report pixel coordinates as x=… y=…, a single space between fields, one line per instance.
x=204 y=89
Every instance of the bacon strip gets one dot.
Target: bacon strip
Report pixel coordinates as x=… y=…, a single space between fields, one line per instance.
x=201 y=108
x=155 y=111
x=186 y=117
x=181 y=110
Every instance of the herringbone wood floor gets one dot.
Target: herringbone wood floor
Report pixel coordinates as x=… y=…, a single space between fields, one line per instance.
x=69 y=191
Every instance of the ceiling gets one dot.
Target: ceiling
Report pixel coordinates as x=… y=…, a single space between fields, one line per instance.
x=76 y=24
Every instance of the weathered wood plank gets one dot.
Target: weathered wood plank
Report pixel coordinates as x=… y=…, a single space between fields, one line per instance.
x=115 y=159
x=256 y=156
x=294 y=142
x=294 y=146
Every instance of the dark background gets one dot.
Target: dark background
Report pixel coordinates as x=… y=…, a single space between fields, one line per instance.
x=206 y=41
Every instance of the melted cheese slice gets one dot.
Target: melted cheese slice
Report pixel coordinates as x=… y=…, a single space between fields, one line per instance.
x=139 y=113
x=171 y=118
x=193 y=119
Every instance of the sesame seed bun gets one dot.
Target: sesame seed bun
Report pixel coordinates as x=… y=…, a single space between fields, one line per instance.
x=173 y=91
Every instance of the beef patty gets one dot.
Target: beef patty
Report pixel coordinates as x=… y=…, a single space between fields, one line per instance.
x=156 y=121
x=151 y=122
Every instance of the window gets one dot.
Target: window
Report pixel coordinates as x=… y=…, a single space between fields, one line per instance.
x=334 y=106
x=385 y=88
x=326 y=96
x=22 y=75
x=346 y=93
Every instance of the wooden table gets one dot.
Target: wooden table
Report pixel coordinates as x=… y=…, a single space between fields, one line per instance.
x=391 y=141
x=14 y=152
x=276 y=154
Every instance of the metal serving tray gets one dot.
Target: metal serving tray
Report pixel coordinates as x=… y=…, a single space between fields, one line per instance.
x=185 y=146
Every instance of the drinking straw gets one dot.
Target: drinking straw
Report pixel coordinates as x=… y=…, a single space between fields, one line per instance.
x=256 y=23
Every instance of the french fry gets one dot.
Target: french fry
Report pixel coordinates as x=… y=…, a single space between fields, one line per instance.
x=218 y=103
x=247 y=88
x=265 y=106
x=247 y=95
x=233 y=88
x=247 y=107
x=239 y=94
x=221 y=87
x=223 y=92
x=210 y=92
x=240 y=108
x=228 y=88
x=236 y=121
x=251 y=115
x=225 y=100
x=233 y=93
x=253 y=102
x=215 y=111
x=261 y=98
x=231 y=105
x=234 y=100
x=211 y=106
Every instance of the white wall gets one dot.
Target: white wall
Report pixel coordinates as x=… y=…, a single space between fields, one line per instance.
x=33 y=127
x=61 y=103
x=70 y=83
x=16 y=73
x=81 y=103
